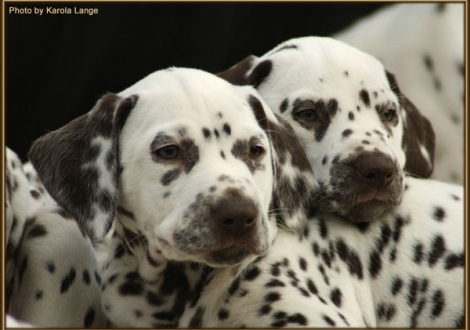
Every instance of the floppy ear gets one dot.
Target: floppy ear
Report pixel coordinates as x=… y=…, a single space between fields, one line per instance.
x=79 y=163
x=418 y=136
x=293 y=188
x=238 y=74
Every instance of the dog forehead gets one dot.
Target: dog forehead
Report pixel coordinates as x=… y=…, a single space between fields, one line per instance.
x=189 y=94
x=323 y=66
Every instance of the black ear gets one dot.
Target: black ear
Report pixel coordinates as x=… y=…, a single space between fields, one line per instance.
x=79 y=163
x=237 y=74
x=293 y=190
x=418 y=136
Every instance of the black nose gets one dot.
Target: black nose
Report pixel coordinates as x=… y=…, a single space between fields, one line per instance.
x=375 y=170
x=235 y=216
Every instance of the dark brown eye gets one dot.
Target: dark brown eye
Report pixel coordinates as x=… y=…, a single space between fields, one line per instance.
x=168 y=152
x=308 y=114
x=389 y=115
x=256 y=151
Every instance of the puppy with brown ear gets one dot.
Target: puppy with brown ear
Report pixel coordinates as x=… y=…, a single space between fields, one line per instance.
x=361 y=134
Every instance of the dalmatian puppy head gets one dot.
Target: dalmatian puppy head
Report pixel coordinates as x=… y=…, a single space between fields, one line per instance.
x=172 y=158
x=361 y=134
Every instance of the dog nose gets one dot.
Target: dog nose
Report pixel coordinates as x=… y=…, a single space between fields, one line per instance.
x=235 y=216
x=376 y=170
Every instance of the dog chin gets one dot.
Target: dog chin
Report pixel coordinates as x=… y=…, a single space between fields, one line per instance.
x=365 y=212
x=223 y=257
x=229 y=256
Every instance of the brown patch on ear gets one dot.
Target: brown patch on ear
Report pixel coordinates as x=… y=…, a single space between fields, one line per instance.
x=418 y=133
x=71 y=160
x=293 y=193
x=237 y=74
x=259 y=73
x=258 y=111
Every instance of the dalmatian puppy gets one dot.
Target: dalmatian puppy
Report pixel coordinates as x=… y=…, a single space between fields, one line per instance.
x=52 y=279
x=412 y=254
x=206 y=208
x=361 y=134
x=423 y=45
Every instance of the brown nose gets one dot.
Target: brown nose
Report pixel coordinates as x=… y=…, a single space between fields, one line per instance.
x=235 y=216
x=375 y=170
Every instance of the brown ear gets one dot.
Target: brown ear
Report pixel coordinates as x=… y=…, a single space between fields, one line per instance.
x=418 y=136
x=79 y=163
x=418 y=141
x=293 y=190
x=238 y=74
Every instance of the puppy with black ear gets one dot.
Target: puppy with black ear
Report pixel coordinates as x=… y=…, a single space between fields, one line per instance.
x=361 y=134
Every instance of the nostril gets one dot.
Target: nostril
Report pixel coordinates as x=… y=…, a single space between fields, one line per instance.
x=249 y=222
x=227 y=222
x=371 y=176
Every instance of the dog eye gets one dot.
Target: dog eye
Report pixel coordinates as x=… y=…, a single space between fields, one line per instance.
x=256 y=151
x=168 y=152
x=308 y=114
x=389 y=114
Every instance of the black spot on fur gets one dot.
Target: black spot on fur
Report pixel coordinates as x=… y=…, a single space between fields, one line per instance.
x=375 y=263
x=272 y=297
x=350 y=257
x=132 y=286
x=50 y=266
x=68 y=280
x=206 y=133
x=351 y=115
x=438 y=302
x=346 y=73
x=336 y=297
x=170 y=176
x=284 y=105
x=234 y=286
x=265 y=309
x=223 y=314
x=460 y=322
x=386 y=311
x=36 y=231
x=440 y=7
x=39 y=294
x=303 y=263
x=416 y=313
x=329 y=321
x=252 y=273
x=428 y=62
x=86 y=277
x=97 y=277
x=346 y=133
x=364 y=96
x=275 y=283
x=439 y=213
x=323 y=228
x=89 y=317
x=119 y=252
x=196 y=320
x=227 y=129
x=418 y=253
x=396 y=286
x=413 y=291
x=454 y=261
x=438 y=249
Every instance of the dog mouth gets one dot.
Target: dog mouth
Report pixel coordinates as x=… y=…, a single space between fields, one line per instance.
x=228 y=253
x=366 y=211
x=228 y=256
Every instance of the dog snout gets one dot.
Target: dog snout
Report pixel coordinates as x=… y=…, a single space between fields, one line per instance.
x=375 y=170
x=235 y=216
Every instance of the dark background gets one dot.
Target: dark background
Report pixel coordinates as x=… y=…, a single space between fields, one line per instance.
x=57 y=66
